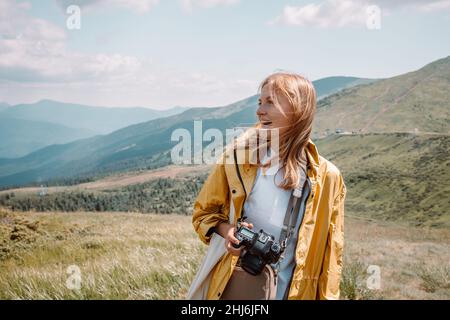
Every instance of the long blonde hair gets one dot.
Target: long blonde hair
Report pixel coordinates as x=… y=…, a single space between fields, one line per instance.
x=301 y=95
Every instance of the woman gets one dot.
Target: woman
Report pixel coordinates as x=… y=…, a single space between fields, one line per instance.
x=312 y=262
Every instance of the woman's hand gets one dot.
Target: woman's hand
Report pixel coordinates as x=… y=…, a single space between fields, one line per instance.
x=227 y=232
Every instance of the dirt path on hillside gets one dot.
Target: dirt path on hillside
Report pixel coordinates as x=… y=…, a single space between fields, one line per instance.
x=121 y=180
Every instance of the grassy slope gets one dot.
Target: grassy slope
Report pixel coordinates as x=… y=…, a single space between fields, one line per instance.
x=398 y=177
x=416 y=99
x=120 y=256
x=131 y=256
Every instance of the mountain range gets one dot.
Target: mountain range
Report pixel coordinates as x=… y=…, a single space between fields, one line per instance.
x=20 y=137
x=403 y=103
x=29 y=127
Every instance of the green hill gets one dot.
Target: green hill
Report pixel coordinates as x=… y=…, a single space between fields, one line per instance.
x=398 y=176
x=418 y=99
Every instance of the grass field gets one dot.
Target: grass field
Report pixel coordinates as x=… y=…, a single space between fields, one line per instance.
x=143 y=256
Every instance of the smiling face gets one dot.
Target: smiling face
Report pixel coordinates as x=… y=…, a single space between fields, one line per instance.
x=274 y=112
x=287 y=103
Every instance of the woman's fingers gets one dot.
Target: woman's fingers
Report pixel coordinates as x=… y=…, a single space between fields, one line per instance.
x=233 y=239
x=248 y=225
x=232 y=250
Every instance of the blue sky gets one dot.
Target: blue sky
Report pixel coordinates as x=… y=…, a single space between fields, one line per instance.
x=204 y=53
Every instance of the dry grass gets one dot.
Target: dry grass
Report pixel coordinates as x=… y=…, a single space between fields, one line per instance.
x=120 y=256
x=138 y=256
x=411 y=260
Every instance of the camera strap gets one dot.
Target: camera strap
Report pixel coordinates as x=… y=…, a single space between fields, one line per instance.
x=292 y=212
x=290 y=217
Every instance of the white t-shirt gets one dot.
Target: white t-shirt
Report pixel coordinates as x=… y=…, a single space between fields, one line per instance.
x=266 y=206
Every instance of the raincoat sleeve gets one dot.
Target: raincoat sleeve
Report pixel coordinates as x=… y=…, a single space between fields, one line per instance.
x=212 y=204
x=329 y=279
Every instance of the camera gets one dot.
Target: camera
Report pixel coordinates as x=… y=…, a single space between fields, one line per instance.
x=261 y=249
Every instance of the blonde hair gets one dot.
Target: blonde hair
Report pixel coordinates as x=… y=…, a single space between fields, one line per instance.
x=301 y=95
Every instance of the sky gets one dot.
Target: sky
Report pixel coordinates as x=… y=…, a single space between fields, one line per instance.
x=205 y=53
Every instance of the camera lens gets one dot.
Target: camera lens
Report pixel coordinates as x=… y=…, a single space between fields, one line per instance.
x=276 y=247
x=252 y=264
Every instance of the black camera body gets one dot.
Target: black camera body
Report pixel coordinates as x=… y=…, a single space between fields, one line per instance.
x=261 y=249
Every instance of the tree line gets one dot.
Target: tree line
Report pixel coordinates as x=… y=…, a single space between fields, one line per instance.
x=163 y=195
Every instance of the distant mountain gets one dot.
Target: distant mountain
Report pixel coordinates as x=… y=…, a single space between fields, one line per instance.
x=129 y=148
x=3 y=106
x=96 y=119
x=30 y=127
x=327 y=86
x=415 y=100
x=20 y=137
x=135 y=146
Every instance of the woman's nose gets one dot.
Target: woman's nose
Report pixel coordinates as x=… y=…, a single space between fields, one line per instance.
x=260 y=111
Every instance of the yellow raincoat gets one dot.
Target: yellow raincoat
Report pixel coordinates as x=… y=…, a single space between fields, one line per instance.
x=321 y=236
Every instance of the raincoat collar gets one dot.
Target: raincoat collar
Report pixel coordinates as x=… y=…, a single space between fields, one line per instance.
x=247 y=158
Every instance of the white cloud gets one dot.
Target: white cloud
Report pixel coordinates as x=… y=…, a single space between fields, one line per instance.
x=188 y=5
x=34 y=50
x=427 y=5
x=434 y=5
x=35 y=63
x=326 y=14
x=154 y=87
x=137 y=6
x=208 y=84
x=340 y=13
x=142 y=6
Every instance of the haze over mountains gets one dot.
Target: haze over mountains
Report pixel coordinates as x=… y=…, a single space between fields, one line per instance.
x=3 y=106
x=101 y=120
x=29 y=127
x=20 y=137
x=417 y=99
x=127 y=148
